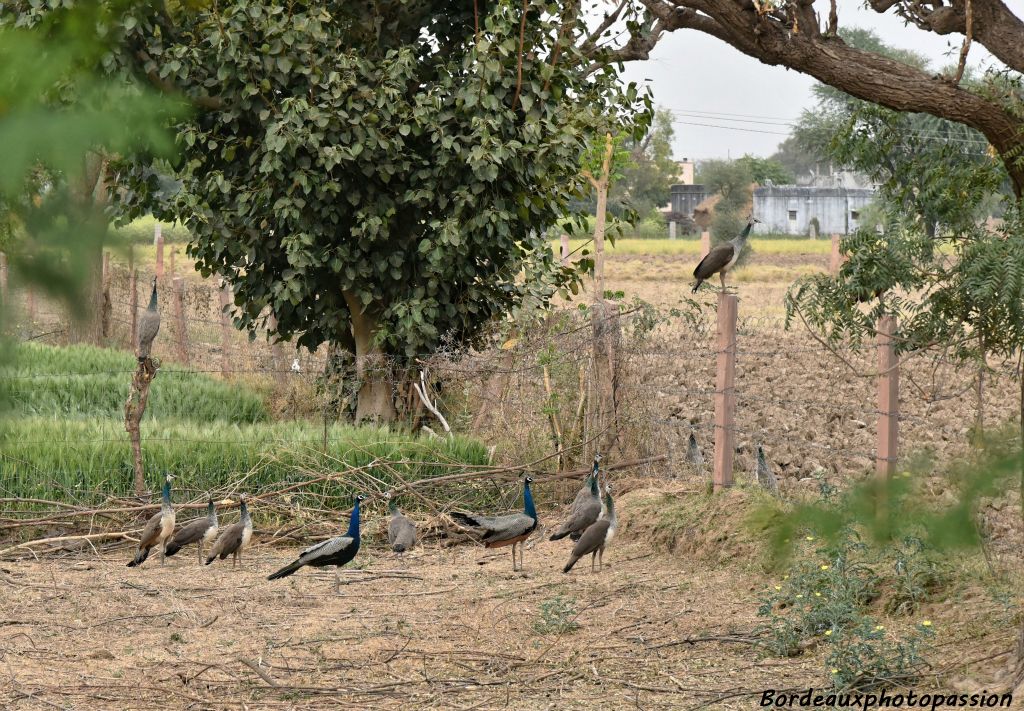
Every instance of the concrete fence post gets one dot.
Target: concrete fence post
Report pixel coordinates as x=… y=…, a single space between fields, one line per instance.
x=887 y=449
x=705 y=243
x=725 y=392
x=671 y=229
x=837 y=259
x=179 y=318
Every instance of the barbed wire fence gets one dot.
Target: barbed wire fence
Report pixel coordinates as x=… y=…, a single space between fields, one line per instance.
x=812 y=407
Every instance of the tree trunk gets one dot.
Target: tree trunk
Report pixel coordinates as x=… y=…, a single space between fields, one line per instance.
x=375 y=399
x=134 y=409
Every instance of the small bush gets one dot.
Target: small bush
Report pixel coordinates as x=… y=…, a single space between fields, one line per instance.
x=557 y=616
x=824 y=599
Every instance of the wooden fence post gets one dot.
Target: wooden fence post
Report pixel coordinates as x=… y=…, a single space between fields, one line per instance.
x=179 y=317
x=105 y=313
x=133 y=306
x=837 y=259
x=159 y=254
x=887 y=449
x=170 y=264
x=3 y=278
x=225 y=327
x=276 y=352
x=705 y=243
x=565 y=249
x=725 y=392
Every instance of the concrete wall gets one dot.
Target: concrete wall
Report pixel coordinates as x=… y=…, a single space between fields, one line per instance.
x=683 y=198
x=789 y=209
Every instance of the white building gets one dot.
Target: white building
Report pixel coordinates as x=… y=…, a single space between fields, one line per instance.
x=790 y=209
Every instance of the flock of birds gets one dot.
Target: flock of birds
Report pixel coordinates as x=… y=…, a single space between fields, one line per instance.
x=591 y=523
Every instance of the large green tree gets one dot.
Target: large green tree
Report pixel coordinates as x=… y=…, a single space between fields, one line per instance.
x=379 y=176
x=645 y=180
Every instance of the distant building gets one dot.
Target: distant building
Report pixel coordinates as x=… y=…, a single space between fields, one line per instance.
x=684 y=171
x=789 y=209
x=684 y=198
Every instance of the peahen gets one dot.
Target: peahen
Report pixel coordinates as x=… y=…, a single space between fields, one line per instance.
x=335 y=551
x=200 y=530
x=401 y=530
x=722 y=257
x=235 y=537
x=508 y=530
x=585 y=509
x=597 y=536
x=693 y=453
x=158 y=529
x=149 y=325
x=763 y=471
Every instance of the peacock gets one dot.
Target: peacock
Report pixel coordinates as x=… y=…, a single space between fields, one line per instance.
x=693 y=453
x=158 y=529
x=335 y=551
x=507 y=530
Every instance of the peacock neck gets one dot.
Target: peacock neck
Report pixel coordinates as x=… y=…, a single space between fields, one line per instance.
x=211 y=511
x=165 y=499
x=593 y=484
x=245 y=514
x=528 y=507
x=393 y=507
x=152 y=299
x=353 y=522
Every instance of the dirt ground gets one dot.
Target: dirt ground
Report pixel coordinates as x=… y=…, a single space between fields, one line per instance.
x=452 y=628
x=455 y=628
x=441 y=628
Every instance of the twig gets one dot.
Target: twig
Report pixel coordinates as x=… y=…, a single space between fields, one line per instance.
x=262 y=674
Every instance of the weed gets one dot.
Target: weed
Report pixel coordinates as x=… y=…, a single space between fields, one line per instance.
x=557 y=616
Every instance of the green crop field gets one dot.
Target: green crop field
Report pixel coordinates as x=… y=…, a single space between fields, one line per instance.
x=63 y=432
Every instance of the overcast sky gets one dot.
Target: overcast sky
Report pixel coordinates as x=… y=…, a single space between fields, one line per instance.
x=744 y=105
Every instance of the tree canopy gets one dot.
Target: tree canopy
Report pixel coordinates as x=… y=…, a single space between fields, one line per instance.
x=379 y=178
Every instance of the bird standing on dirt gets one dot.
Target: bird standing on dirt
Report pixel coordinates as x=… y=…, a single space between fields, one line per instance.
x=764 y=474
x=335 y=551
x=508 y=530
x=149 y=326
x=585 y=509
x=722 y=257
x=401 y=530
x=199 y=530
x=158 y=529
x=694 y=454
x=235 y=537
x=597 y=536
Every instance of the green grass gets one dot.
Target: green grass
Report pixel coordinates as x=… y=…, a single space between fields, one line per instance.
x=45 y=457
x=691 y=246
x=63 y=433
x=83 y=381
